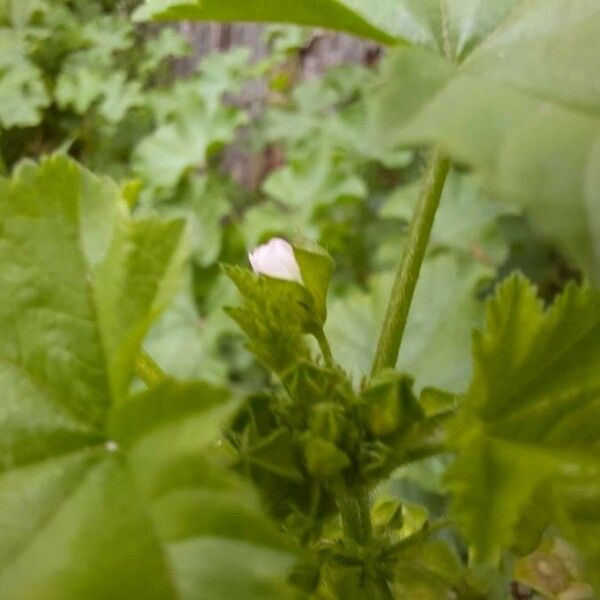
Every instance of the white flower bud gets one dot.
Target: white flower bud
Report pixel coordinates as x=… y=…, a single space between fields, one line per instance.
x=276 y=259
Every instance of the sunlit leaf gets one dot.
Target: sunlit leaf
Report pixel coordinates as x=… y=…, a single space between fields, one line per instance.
x=23 y=95
x=103 y=494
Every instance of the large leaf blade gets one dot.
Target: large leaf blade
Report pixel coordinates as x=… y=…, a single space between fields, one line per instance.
x=530 y=419
x=523 y=110
x=451 y=26
x=50 y=332
x=80 y=500
x=343 y=15
x=90 y=545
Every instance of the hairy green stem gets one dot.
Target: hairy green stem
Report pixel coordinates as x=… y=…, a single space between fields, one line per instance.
x=408 y=273
x=356 y=516
x=147 y=370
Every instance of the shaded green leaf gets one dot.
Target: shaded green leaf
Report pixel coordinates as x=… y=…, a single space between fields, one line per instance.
x=120 y=96
x=312 y=181
x=466 y=221
x=530 y=418
x=347 y=15
x=523 y=110
x=167 y=44
x=452 y=26
x=78 y=87
x=184 y=343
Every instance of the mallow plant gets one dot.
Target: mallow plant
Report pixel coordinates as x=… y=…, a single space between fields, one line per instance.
x=118 y=481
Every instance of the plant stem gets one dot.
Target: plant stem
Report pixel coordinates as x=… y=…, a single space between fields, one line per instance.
x=324 y=345
x=356 y=516
x=147 y=370
x=407 y=276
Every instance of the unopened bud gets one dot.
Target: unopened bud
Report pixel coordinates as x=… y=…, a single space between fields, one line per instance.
x=276 y=259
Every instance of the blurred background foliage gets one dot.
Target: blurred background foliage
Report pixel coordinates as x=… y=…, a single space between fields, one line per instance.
x=249 y=145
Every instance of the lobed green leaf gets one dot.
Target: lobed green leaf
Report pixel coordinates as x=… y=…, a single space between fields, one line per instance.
x=530 y=420
x=522 y=109
x=101 y=493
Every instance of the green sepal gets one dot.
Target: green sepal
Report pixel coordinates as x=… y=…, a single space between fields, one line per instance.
x=275 y=453
x=386 y=514
x=340 y=580
x=309 y=383
x=316 y=267
x=131 y=191
x=274 y=315
x=327 y=421
x=323 y=458
x=532 y=524
x=435 y=401
x=388 y=404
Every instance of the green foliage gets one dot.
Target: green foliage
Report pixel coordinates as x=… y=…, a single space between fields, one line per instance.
x=314 y=442
x=193 y=123
x=122 y=478
x=437 y=340
x=481 y=460
x=182 y=342
x=453 y=26
x=291 y=471
x=331 y=191
x=465 y=249
x=88 y=81
x=277 y=312
x=502 y=62
x=522 y=109
x=347 y=15
x=63 y=229
x=466 y=222
x=274 y=316
x=529 y=420
x=22 y=95
x=316 y=268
